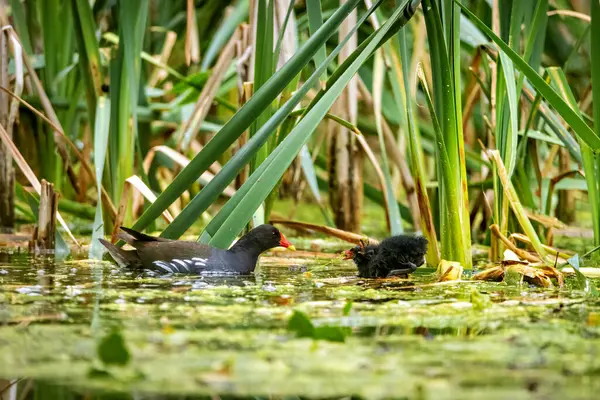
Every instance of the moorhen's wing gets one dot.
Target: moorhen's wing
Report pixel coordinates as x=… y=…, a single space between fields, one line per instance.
x=130 y=236
x=172 y=256
x=178 y=256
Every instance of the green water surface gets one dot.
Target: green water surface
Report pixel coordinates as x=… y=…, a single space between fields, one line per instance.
x=228 y=336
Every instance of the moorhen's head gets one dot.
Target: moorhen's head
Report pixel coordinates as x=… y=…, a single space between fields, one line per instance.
x=360 y=254
x=263 y=238
x=350 y=254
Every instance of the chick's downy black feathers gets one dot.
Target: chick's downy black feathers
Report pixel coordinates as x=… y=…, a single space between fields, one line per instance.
x=398 y=255
x=362 y=257
x=394 y=256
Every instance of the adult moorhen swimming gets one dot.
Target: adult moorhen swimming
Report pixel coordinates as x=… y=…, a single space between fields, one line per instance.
x=178 y=256
x=394 y=256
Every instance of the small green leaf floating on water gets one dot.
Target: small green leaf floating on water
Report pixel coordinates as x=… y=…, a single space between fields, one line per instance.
x=587 y=286
x=479 y=300
x=301 y=324
x=330 y=333
x=98 y=373
x=303 y=327
x=112 y=350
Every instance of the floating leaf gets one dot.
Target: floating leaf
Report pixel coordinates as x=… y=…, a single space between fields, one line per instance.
x=98 y=373
x=301 y=324
x=479 y=300
x=585 y=283
x=330 y=333
x=112 y=349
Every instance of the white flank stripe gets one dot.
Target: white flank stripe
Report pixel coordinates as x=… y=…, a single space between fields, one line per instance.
x=183 y=264
x=163 y=265
x=199 y=259
x=200 y=264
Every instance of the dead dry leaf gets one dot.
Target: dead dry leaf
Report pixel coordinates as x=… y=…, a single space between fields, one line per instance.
x=540 y=276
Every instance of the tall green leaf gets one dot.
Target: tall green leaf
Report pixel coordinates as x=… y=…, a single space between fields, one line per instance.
x=270 y=171
x=392 y=205
x=239 y=14
x=125 y=80
x=263 y=68
x=572 y=118
x=315 y=20
x=56 y=23
x=245 y=116
x=89 y=52
x=101 y=130
x=21 y=25
x=310 y=174
x=448 y=181
x=559 y=82
x=443 y=36
x=219 y=219
x=210 y=192
x=594 y=159
x=506 y=136
x=416 y=156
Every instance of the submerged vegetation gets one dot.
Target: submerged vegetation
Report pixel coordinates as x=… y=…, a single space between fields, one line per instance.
x=470 y=122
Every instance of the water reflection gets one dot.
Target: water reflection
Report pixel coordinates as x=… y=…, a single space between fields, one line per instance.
x=184 y=331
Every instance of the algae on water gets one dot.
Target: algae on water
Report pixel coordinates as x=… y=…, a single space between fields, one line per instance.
x=229 y=335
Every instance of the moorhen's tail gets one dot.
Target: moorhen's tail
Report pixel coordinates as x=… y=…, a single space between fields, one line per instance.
x=125 y=258
x=131 y=236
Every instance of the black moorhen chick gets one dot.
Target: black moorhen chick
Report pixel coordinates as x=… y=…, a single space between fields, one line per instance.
x=394 y=256
x=178 y=256
x=362 y=255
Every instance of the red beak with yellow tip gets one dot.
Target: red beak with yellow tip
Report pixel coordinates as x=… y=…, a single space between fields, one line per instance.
x=283 y=242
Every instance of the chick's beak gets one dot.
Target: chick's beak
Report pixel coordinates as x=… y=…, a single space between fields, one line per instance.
x=283 y=242
x=348 y=254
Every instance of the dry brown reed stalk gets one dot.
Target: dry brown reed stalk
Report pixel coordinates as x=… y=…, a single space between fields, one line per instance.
x=338 y=233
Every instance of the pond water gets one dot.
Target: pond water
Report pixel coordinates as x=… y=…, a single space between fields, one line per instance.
x=213 y=337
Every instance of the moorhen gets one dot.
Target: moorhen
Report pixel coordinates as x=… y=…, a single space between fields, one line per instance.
x=178 y=256
x=394 y=256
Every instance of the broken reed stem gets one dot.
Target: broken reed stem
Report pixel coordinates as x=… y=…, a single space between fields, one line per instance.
x=350 y=237
x=7 y=191
x=84 y=162
x=517 y=207
x=44 y=236
x=551 y=250
x=511 y=246
x=7 y=173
